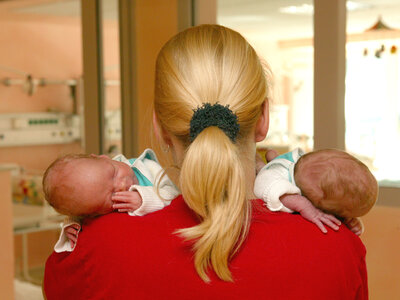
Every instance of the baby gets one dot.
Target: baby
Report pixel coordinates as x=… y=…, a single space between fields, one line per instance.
x=82 y=185
x=89 y=185
x=318 y=185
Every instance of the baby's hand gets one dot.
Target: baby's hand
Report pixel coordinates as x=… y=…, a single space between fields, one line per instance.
x=72 y=232
x=270 y=154
x=309 y=212
x=127 y=201
x=319 y=218
x=355 y=225
x=259 y=163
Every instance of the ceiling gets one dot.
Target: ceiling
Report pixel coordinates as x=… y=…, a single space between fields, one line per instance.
x=263 y=17
x=253 y=17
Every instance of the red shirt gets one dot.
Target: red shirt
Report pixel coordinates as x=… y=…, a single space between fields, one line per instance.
x=284 y=257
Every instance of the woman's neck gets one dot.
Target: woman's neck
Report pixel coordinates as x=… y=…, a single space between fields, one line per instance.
x=248 y=158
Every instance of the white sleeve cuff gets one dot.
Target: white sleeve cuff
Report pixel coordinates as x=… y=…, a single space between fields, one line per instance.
x=63 y=244
x=271 y=184
x=271 y=196
x=150 y=201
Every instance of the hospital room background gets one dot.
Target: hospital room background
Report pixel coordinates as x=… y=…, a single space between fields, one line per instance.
x=61 y=91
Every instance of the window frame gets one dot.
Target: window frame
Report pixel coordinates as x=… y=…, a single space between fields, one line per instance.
x=329 y=83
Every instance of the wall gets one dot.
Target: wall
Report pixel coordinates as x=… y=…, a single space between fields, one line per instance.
x=50 y=47
x=6 y=252
x=45 y=47
x=382 y=240
x=382 y=224
x=54 y=53
x=151 y=35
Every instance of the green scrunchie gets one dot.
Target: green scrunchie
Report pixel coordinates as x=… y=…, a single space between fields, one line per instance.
x=214 y=115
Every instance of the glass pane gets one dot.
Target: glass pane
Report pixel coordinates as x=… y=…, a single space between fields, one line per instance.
x=282 y=35
x=111 y=77
x=40 y=68
x=373 y=90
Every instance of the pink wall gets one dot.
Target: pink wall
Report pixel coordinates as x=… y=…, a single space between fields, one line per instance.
x=44 y=49
x=6 y=252
x=48 y=47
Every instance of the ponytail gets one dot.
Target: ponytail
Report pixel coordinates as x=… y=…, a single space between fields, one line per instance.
x=213 y=185
x=199 y=67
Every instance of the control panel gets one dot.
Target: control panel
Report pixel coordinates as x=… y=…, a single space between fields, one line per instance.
x=38 y=128
x=50 y=128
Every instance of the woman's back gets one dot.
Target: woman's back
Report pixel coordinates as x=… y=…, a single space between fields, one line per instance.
x=210 y=109
x=284 y=257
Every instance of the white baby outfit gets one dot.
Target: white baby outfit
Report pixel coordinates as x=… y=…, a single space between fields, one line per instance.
x=276 y=179
x=148 y=172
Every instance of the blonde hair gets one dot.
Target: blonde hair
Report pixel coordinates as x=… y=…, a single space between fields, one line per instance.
x=336 y=182
x=209 y=64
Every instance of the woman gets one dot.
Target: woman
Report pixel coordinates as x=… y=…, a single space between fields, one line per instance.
x=214 y=241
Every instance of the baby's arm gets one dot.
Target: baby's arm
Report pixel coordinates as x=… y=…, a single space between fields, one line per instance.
x=309 y=212
x=72 y=232
x=71 y=226
x=355 y=225
x=271 y=183
x=146 y=200
x=152 y=201
x=69 y=235
x=279 y=194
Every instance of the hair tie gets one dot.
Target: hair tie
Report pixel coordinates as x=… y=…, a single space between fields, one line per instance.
x=214 y=115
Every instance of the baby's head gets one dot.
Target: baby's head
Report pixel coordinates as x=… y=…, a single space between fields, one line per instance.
x=336 y=182
x=82 y=185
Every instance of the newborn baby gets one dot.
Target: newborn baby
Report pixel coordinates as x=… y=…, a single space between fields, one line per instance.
x=81 y=185
x=318 y=185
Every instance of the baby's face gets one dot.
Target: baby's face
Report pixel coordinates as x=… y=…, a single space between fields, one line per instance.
x=119 y=174
x=97 y=180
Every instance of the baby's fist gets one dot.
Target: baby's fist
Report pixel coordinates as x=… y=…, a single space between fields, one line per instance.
x=127 y=201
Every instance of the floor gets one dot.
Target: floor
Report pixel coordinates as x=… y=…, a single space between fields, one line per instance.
x=31 y=290
x=27 y=291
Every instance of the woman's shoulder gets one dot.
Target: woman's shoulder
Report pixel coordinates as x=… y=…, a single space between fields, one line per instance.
x=296 y=252
x=177 y=207
x=176 y=215
x=281 y=250
x=266 y=227
x=283 y=235
x=305 y=236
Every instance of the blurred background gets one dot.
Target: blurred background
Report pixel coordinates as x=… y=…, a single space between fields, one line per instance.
x=77 y=76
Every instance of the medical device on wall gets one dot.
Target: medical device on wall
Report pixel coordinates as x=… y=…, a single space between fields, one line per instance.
x=38 y=128
x=50 y=128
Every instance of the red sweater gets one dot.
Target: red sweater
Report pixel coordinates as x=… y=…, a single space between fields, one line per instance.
x=284 y=257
